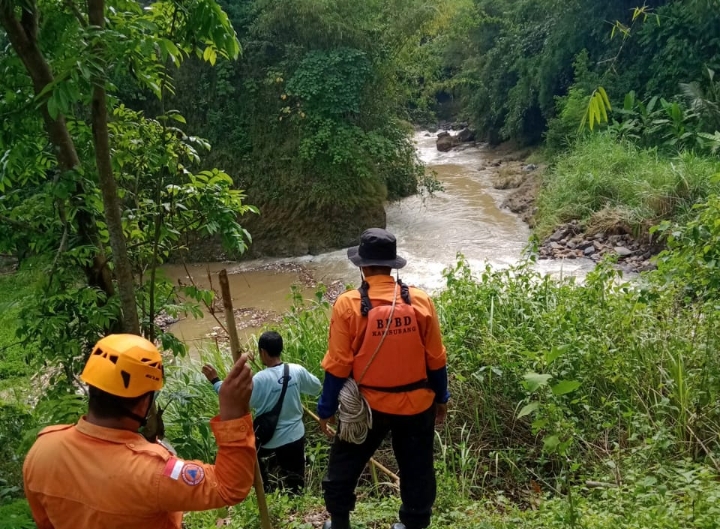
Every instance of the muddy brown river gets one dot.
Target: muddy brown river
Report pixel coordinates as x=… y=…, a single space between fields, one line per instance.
x=464 y=218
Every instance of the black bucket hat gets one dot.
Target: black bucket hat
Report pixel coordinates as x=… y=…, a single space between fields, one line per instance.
x=378 y=247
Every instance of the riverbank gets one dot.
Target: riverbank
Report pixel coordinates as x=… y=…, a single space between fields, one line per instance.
x=601 y=198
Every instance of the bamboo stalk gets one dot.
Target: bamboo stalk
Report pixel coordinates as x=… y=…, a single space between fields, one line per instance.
x=236 y=352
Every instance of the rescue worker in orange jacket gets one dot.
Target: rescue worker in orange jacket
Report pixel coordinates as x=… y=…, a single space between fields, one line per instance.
x=386 y=336
x=101 y=473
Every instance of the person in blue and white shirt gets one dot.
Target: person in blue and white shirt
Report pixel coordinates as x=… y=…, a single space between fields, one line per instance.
x=286 y=449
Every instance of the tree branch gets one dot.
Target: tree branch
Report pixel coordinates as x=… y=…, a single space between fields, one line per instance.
x=19 y=224
x=108 y=185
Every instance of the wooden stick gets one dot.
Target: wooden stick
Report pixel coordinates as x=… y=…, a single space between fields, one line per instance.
x=235 y=349
x=377 y=465
x=229 y=315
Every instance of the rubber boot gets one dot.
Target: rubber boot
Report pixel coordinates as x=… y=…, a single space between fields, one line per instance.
x=335 y=523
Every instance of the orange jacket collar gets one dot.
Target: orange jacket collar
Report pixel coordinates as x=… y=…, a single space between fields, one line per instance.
x=380 y=280
x=114 y=435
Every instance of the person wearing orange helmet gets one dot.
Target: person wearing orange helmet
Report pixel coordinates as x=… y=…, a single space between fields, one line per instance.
x=101 y=472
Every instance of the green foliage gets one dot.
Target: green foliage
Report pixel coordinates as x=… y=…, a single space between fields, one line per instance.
x=667 y=125
x=563 y=129
x=309 y=121
x=677 y=50
x=15 y=421
x=330 y=83
x=703 y=98
x=15 y=366
x=597 y=110
x=509 y=60
x=519 y=56
x=56 y=215
x=616 y=185
x=189 y=403
x=16 y=515
x=63 y=325
x=304 y=329
x=693 y=255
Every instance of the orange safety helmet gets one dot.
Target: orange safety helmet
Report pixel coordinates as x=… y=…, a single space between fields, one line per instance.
x=124 y=365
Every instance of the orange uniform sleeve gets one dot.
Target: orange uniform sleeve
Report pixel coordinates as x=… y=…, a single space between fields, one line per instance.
x=38 y=511
x=339 y=358
x=435 y=353
x=196 y=486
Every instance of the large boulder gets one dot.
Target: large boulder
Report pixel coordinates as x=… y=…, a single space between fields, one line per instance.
x=466 y=134
x=433 y=128
x=445 y=143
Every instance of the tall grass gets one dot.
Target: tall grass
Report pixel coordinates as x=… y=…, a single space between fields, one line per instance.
x=603 y=180
x=603 y=365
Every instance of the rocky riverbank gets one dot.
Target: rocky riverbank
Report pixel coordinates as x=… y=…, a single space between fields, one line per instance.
x=255 y=317
x=509 y=169
x=571 y=241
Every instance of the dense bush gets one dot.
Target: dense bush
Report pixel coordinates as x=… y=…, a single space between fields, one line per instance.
x=310 y=120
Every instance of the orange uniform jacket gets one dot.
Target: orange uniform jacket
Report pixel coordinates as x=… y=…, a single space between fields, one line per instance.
x=347 y=329
x=88 y=477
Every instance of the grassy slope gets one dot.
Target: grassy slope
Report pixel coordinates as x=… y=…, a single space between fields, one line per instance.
x=607 y=183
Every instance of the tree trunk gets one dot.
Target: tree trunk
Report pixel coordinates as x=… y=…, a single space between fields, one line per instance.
x=108 y=186
x=23 y=38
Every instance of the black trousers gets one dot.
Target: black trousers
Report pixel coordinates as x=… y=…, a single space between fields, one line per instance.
x=283 y=467
x=412 y=442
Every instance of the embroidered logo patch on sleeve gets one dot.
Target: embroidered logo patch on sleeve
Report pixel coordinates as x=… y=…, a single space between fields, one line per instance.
x=192 y=474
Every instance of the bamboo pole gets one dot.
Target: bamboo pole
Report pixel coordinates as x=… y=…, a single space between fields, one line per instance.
x=235 y=349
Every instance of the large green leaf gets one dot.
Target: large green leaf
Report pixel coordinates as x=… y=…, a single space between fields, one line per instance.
x=565 y=386
x=533 y=381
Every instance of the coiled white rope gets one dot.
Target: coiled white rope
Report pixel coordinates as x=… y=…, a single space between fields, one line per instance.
x=354 y=413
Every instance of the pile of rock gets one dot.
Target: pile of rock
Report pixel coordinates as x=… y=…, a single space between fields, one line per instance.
x=570 y=242
x=446 y=141
x=164 y=320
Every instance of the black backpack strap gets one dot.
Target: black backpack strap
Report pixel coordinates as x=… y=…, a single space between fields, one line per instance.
x=365 y=305
x=286 y=379
x=404 y=292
